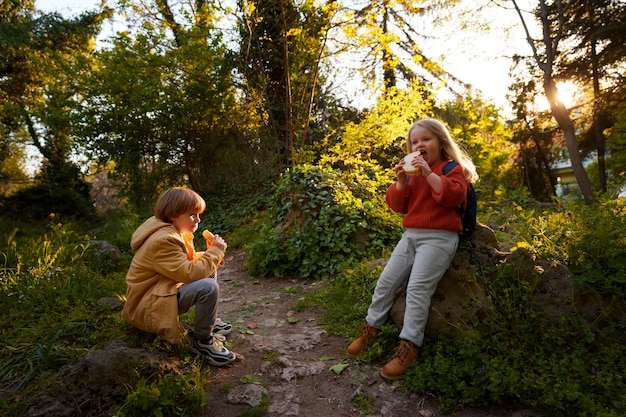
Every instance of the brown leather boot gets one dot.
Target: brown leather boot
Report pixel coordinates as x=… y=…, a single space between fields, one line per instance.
x=360 y=343
x=405 y=354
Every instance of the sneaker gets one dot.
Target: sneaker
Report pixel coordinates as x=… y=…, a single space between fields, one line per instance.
x=214 y=351
x=222 y=328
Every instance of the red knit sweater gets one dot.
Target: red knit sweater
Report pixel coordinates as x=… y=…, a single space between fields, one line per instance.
x=424 y=208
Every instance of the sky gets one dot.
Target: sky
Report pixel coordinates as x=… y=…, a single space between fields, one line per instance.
x=480 y=59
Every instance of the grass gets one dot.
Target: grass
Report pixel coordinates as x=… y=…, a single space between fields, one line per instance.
x=51 y=283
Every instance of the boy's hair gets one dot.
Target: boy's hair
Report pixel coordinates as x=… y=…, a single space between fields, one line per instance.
x=450 y=148
x=176 y=201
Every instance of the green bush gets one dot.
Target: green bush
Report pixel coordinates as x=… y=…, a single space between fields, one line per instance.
x=516 y=354
x=228 y=214
x=37 y=202
x=590 y=240
x=172 y=395
x=317 y=227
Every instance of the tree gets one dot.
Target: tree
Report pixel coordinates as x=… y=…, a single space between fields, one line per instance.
x=551 y=17
x=12 y=172
x=41 y=55
x=384 y=33
x=162 y=107
x=282 y=46
x=597 y=28
x=479 y=128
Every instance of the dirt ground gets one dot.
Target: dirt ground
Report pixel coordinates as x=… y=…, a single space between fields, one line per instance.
x=286 y=359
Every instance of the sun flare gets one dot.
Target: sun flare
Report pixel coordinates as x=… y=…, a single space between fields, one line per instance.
x=569 y=94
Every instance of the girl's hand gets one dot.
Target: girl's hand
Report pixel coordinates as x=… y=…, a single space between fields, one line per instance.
x=401 y=175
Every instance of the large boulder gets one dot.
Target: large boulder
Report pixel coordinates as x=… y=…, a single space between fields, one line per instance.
x=461 y=295
x=98 y=384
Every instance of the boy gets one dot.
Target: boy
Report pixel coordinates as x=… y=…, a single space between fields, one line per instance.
x=163 y=282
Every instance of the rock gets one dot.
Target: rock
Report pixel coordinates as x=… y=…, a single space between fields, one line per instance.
x=106 y=250
x=112 y=302
x=291 y=369
x=250 y=394
x=98 y=384
x=461 y=295
x=289 y=343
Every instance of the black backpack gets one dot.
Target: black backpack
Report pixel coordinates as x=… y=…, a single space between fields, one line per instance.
x=468 y=215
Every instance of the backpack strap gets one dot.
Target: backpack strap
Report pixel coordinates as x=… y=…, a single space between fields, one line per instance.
x=449 y=167
x=446 y=169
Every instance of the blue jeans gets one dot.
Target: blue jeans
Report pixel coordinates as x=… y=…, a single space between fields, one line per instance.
x=418 y=261
x=203 y=294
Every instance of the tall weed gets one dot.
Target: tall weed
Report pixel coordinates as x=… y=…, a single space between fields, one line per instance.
x=49 y=296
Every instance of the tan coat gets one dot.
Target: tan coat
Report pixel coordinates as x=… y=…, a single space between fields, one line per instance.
x=159 y=267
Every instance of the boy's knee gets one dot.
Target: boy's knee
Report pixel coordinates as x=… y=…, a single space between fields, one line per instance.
x=208 y=287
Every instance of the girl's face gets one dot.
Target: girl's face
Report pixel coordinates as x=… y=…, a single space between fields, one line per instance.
x=423 y=140
x=186 y=222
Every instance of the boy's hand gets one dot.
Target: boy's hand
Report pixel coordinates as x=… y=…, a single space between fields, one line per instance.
x=214 y=240
x=219 y=242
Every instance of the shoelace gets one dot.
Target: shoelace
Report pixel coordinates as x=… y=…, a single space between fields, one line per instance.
x=365 y=333
x=217 y=342
x=402 y=351
x=219 y=338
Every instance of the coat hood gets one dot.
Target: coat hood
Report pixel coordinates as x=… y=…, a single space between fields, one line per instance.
x=147 y=229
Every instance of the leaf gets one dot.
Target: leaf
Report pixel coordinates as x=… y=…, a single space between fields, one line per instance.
x=339 y=368
x=293 y=320
x=249 y=379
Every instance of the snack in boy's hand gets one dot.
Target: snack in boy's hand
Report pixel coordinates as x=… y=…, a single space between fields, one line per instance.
x=208 y=236
x=192 y=254
x=408 y=166
x=209 y=240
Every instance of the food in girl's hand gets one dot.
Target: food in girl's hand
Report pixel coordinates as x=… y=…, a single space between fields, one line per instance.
x=408 y=166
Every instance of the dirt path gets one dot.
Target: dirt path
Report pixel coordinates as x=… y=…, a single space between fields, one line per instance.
x=286 y=358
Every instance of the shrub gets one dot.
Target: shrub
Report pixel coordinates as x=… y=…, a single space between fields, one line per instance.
x=172 y=395
x=316 y=226
x=590 y=240
x=37 y=202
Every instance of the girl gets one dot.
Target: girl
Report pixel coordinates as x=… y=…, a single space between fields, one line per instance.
x=429 y=200
x=163 y=282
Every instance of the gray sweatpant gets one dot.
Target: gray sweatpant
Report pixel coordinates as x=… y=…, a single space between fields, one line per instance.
x=418 y=261
x=203 y=294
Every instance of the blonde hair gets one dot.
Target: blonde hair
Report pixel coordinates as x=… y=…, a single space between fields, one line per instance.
x=176 y=201
x=450 y=149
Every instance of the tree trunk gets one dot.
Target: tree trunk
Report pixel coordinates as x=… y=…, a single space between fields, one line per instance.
x=598 y=119
x=561 y=115
x=551 y=37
